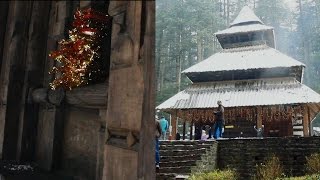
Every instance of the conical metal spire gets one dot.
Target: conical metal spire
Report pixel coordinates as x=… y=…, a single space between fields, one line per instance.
x=246 y=15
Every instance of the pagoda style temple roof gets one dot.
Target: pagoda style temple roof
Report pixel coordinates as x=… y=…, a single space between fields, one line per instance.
x=246 y=21
x=258 y=92
x=244 y=29
x=244 y=58
x=246 y=15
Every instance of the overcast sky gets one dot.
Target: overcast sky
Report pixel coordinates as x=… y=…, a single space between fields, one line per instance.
x=291 y=3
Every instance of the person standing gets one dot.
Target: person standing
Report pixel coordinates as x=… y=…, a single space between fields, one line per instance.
x=164 y=128
x=157 y=136
x=219 y=120
x=259 y=131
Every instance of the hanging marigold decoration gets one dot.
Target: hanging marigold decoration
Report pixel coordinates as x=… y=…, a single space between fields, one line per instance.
x=77 y=56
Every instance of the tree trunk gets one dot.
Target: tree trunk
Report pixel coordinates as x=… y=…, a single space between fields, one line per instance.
x=199 y=48
x=224 y=10
x=228 y=12
x=163 y=67
x=159 y=58
x=178 y=61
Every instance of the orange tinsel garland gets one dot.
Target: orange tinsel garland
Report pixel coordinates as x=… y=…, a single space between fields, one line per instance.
x=77 y=54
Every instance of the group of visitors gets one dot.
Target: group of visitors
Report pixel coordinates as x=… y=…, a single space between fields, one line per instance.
x=162 y=127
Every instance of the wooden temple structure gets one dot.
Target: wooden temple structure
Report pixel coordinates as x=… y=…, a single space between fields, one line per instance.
x=257 y=84
x=95 y=131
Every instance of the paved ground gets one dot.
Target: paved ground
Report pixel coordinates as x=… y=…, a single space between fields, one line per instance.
x=10 y=170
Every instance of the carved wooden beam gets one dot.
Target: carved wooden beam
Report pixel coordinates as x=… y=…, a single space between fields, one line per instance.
x=92 y=96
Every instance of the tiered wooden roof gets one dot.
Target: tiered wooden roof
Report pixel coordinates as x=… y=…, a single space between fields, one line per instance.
x=244 y=73
x=258 y=92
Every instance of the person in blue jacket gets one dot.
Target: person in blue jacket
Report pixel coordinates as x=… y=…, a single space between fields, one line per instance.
x=164 y=128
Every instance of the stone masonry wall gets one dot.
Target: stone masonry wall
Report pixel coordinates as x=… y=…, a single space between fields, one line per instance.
x=81 y=143
x=245 y=154
x=208 y=160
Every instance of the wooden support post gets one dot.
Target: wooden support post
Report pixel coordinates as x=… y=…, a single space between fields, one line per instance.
x=184 y=130
x=191 y=128
x=100 y=144
x=130 y=142
x=309 y=122
x=12 y=76
x=259 y=119
x=38 y=34
x=51 y=117
x=4 y=6
x=305 y=121
x=174 y=120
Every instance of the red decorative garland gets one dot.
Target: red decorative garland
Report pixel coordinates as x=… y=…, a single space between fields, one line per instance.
x=77 y=54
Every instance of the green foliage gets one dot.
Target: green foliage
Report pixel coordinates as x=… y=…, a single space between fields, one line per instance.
x=165 y=94
x=269 y=170
x=181 y=26
x=221 y=175
x=307 y=177
x=313 y=163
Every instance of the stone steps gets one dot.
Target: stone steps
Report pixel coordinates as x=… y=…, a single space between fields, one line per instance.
x=177 y=158
x=182 y=152
x=178 y=163
x=184 y=147
x=171 y=158
x=177 y=170
x=186 y=142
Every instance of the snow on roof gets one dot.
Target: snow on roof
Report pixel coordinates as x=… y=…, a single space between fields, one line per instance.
x=244 y=29
x=273 y=91
x=244 y=58
x=246 y=15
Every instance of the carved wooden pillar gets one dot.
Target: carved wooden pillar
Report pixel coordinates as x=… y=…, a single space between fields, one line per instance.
x=184 y=130
x=129 y=150
x=4 y=6
x=36 y=53
x=51 y=116
x=12 y=73
x=259 y=118
x=309 y=122
x=174 y=119
x=306 y=120
x=100 y=144
x=191 y=130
